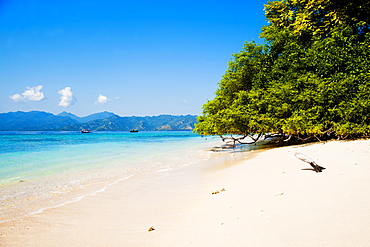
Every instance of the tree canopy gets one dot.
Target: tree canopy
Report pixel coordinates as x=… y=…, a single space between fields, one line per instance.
x=309 y=80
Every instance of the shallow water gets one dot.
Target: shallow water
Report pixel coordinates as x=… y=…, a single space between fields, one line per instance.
x=40 y=170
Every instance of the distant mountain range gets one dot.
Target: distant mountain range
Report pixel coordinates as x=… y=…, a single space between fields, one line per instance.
x=103 y=121
x=92 y=117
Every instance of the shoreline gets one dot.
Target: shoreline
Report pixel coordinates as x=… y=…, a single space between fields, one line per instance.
x=269 y=199
x=31 y=195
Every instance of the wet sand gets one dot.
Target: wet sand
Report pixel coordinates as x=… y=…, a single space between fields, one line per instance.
x=261 y=198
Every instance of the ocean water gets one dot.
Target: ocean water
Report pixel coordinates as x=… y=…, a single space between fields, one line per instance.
x=40 y=170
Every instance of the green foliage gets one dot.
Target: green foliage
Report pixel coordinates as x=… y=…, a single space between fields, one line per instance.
x=309 y=80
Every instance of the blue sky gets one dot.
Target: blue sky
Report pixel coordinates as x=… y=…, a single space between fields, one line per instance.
x=128 y=57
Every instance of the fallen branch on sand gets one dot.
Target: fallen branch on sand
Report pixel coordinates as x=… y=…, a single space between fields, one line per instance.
x=310 y=161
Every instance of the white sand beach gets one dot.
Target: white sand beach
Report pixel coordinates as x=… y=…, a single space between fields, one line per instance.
x=262 y=198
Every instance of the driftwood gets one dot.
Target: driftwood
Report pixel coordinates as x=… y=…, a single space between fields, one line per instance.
x=310 y=161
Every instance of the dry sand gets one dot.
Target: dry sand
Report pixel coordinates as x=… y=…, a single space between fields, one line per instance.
x=270 y=199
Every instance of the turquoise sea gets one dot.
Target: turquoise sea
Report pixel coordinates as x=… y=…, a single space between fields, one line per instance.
x=40 y=170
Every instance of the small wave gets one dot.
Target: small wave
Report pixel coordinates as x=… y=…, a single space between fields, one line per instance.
x=76 y=199
x=165 y=170
x=7 y=180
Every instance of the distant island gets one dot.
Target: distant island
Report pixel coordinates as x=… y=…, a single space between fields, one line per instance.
x=103 y=121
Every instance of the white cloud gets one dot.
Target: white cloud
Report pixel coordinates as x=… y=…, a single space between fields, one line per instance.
x=17 y=98
x=117 y=97
x=66 y=98
x=102 y=99
x=32 y=93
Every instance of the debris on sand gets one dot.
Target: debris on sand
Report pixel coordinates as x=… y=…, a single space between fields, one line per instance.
x=214 y=192
x=151 y=229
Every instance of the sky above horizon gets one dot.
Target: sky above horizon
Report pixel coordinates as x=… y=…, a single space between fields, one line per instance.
x=140 y=58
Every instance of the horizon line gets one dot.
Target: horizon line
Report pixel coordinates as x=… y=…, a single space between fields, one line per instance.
x=163 y=114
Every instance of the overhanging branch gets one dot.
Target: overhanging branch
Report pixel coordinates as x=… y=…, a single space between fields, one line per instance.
x=234 y=140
